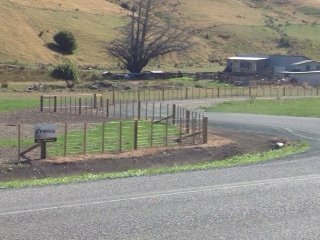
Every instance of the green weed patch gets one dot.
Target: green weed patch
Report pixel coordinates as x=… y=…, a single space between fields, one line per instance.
x=234 y=161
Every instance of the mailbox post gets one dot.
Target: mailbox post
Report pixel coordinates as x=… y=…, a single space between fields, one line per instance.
x=44 y=133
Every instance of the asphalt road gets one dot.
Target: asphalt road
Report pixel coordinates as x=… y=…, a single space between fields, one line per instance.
x=274 y=200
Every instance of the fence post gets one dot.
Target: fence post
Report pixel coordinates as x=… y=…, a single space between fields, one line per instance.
x=103 y=137
x=19 y=140
x=55 y=104
x=186 y=93
x=120 y=136
x=135 y=135
x=101 y=101
x=193 y=127
x=41 y=103
x=139 y=110
x=284 y=91
x=162 y=94
x=65 y=139
x=174 y=107
x=95 y=101
x=84 y=139
x=80 y=106
x=120 y=109
x=188 y=122
x=113 y=97
x=218 y=92
x=166 y=137
x=151 y=133
x=107 y=108
x=43 y=150
x=249 y=92
x=205 y=129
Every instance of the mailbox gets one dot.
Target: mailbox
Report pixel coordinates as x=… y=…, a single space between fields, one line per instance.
x=45 y=132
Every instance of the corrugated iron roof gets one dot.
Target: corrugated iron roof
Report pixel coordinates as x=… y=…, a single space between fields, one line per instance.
x=247 y=58
x=303 y=62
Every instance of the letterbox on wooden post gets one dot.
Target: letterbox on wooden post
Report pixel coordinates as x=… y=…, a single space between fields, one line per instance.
x=44 y=133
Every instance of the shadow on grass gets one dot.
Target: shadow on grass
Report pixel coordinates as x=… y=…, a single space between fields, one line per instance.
x=54 y=47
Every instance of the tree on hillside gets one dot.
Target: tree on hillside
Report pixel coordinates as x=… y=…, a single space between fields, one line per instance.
x=67 y=72
x=147 y=36
x=65 y=41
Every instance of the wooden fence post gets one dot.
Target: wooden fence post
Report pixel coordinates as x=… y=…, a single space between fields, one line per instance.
x=65 y=139
x=139 y=110
x=186 y=97
x=95 y=101
x=84 y=139
x=107 y=108
x=187 y=122
x=113 y=97
x=120 y=136
x=55 y=104
x=135 y=135
x=80 y=106
x=43 y=150
x=19 y=140
x=174 y=107
x=120 y=109
x=103 y=137
x=218 y=92
x=41 y=103
x=101 y=101
x=205 y=130
x=162 y=94
x=133 y=104
x=193 y=127
x=151 y=133
x=166 y=133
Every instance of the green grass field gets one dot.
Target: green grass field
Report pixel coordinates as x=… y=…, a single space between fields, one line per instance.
x=15 y=101
x=112 y=139
x=108 y=137
x=302 y=107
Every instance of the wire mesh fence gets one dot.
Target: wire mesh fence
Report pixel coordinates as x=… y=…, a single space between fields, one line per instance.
x=104 y=137
x=130 y=104
x=210 y=93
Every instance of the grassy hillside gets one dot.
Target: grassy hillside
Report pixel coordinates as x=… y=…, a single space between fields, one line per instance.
x=223 y=28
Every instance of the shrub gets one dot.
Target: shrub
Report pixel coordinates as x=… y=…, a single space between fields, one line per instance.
x=125 y=5
x=66 y=71
x=284 y=42
x=4 y=84
x=66 y=41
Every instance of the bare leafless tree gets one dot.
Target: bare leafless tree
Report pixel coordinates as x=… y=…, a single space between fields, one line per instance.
x=147 y=36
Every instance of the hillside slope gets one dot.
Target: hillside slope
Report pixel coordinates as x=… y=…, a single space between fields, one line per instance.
x=223 y=28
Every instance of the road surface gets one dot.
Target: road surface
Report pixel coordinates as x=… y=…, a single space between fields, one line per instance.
x=279 y=199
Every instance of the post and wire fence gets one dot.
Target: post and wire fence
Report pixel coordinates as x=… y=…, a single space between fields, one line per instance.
x=88 y=103
x=109 y=128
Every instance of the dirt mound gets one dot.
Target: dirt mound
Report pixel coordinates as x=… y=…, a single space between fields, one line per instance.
x=221 y=145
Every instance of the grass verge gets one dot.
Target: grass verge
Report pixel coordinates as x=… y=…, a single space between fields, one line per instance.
x=302 y=107
x=234 y=161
